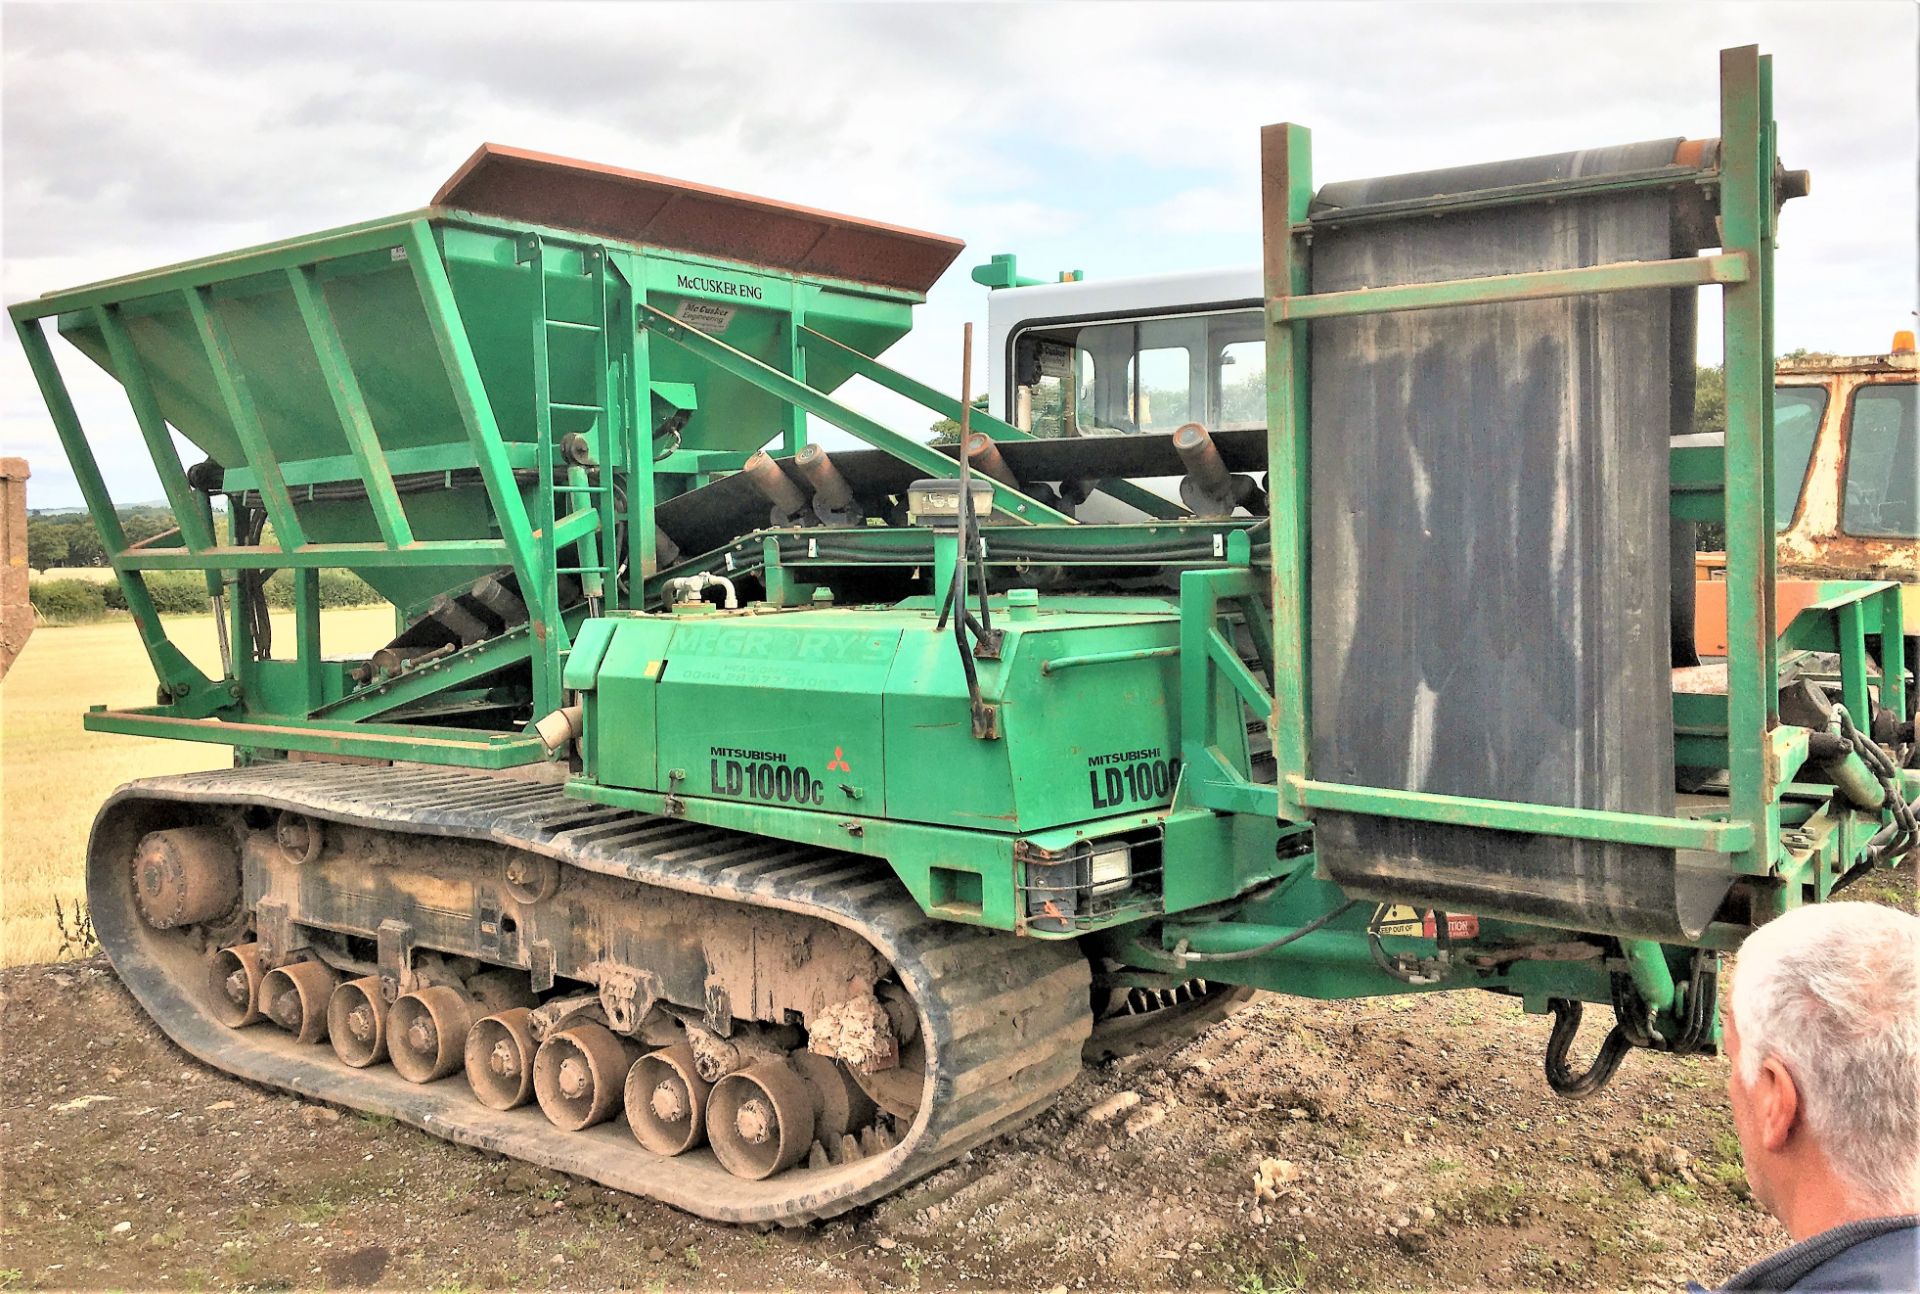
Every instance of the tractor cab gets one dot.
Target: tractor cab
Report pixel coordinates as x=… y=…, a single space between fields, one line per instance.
x=1846 y=469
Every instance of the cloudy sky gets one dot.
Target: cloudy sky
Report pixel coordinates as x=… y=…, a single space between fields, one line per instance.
x=1116 y=139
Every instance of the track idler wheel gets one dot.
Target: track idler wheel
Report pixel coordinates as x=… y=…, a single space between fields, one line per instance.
x=427 y=1033
x=899 y=1090
x=296 y=996
x=233 y=982
x=500 y=1052
x=839 y=1106
x=580 y=1075
x=760 y=1120
x=666 y=1101
x=185 y=875
x=357 y=1022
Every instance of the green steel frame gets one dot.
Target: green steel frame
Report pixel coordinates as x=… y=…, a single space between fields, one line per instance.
x=573 y=505
x=1737 y=731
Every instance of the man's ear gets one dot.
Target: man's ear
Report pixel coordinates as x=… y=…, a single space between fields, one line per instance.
x=1776 y=1104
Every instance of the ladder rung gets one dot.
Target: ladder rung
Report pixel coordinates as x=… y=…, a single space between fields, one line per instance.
x=576 y=408
x=577 y=327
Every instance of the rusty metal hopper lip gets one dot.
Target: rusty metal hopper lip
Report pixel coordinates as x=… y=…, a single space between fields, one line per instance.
x=910 y=259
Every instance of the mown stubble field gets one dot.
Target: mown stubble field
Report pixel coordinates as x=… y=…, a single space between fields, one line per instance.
x=54 y=774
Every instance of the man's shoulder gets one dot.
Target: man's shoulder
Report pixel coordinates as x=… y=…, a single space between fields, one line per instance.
x=1889 y=1261
x=1875 y=1256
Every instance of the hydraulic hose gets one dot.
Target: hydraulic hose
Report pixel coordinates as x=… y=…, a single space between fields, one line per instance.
x=1261 y=950
x=1898 y=837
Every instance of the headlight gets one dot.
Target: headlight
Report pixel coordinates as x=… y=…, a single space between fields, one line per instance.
x=1080 y=883
x=1111 y=869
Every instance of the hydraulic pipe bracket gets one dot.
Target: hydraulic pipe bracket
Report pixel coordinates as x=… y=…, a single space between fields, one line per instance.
x=833 y=500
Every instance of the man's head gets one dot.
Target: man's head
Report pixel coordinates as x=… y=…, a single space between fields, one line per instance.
x=1823 y=1031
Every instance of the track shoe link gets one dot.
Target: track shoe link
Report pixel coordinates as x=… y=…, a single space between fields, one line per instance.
x=989 y=1027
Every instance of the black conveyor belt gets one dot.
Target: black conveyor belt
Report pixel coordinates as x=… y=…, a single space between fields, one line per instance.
x=705 y=519
x=1490 y=547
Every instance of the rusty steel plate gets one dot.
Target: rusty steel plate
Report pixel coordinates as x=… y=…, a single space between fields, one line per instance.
x=634 y=207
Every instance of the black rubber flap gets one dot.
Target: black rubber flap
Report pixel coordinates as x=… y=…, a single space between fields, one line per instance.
x=1490 y=566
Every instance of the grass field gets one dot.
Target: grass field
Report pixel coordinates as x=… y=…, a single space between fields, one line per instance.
x=53 y=775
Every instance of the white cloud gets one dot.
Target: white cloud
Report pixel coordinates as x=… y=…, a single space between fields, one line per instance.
x=1117 y=139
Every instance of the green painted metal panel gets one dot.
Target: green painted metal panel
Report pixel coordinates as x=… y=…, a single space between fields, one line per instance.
x=782 y=710
x=873 y=705
x=620 y=660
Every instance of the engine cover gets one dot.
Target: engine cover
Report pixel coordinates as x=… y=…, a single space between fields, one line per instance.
x=864 y=712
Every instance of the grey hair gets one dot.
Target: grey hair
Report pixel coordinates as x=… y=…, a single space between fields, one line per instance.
x=1833 y=991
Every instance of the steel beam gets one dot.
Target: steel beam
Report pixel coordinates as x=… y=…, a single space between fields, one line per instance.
x=178 y=676
x=1746 y=197
x=1536 y=819
x=463 y=747
x=231 y=383
x=793 y=391
x=1286 y=189
x=483 y=435
x=350 y=406
x=1536 y=285
x=436 y=552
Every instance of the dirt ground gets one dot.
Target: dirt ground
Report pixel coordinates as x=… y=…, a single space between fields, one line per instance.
x=1417 y=1146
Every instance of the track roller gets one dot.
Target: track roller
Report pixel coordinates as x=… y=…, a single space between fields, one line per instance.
x=580 y=1074
x=295 y=997
x=357 y=1022
x=427 y=1033
x=666 y=1101
x=233 y=981
x=760 y=1120
x=500 y=1051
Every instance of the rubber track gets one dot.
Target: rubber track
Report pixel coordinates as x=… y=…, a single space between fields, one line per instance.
x=1004 y=1017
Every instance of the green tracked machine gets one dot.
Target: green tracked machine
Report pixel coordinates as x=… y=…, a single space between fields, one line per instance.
x=757 y=826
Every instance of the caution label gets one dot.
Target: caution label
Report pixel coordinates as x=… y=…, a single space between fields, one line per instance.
x=708 y=316
x=1398 y=919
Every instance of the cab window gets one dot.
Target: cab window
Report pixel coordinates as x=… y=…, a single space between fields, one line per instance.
x=1241 y=384
x=1883 y=463
x=1061 y=385
x=1141 y=375
x=1797 y=411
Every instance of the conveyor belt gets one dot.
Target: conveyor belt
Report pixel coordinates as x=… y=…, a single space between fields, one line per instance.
x=1490 y=548
x=706 y=518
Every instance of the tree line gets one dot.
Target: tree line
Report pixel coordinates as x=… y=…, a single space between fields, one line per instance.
x=70 y=539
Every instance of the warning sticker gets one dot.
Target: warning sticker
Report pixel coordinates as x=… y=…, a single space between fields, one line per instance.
x=708 y=316
x=1399 y=919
